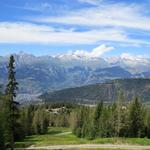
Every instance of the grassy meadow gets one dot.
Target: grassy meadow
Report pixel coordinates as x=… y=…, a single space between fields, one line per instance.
x=61 y=136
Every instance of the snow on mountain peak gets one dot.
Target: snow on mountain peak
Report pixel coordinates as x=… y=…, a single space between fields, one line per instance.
x=134 y=59
x=131 y=57
x=132 y=63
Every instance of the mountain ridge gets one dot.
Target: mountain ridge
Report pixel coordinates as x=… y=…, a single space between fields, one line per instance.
x=107 y=92
x=46 y=73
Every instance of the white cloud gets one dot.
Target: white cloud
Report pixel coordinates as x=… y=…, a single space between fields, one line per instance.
x=115 y=15
x=32 y=33
x=96 y=52
x=102 y=21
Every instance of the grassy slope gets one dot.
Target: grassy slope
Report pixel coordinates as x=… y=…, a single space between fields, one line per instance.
x=54 y=137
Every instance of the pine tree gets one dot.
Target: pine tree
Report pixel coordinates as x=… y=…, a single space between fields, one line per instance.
x=79 y=121
x=97 y=119
x=12 y=112
x=43 y=121
x=147 y=123
x=86 y=123
x=119 y=122
x=40 y=122
x=136 y=119
x=27 y=119
x=36 y=123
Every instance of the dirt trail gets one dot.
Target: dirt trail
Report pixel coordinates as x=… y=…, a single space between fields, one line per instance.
x=64 y=133
x=88 y=146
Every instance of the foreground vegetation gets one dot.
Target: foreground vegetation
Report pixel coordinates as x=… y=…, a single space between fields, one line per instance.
x=114 y=120
x=57 y=136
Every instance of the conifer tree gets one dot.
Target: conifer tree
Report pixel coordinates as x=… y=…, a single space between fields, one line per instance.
x=136 y=119
x=36 y=123
x=27 y=119
x=40 y=123
x=12 y=112
x=79 y=121
x=96 y=119
x=120 y=101
x=147 y=123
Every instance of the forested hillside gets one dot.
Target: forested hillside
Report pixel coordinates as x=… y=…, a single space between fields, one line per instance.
x=106 y=92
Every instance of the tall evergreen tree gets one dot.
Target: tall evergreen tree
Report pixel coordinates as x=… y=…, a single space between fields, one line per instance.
x=120 y=101
x=11 y=105
x=79 y=121
x=27 y=118
x=147 y=123
x=40 y=122
x=97 y=119
x=136 y=119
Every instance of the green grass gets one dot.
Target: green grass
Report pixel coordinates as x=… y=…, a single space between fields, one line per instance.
x=54 y=137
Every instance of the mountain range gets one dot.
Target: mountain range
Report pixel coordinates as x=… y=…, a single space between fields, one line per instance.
x=49 y=73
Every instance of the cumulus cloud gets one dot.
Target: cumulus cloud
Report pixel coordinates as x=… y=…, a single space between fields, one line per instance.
x=95 y=53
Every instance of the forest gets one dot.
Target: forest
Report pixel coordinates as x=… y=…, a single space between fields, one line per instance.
x=119 y=119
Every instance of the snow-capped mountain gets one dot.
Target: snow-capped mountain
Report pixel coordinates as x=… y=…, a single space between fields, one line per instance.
x=39 y=74
x=134 y=64
x=85 y=59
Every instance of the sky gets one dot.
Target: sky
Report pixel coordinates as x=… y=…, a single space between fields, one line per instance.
x=86 y=27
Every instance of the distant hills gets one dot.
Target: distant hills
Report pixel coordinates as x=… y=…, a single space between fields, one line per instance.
x=106 y=92
x=46 y=73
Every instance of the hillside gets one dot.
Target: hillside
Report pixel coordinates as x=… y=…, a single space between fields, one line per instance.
x=104 y=91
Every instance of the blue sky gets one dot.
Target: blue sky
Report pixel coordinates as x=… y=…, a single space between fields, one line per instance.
x=55 y=27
